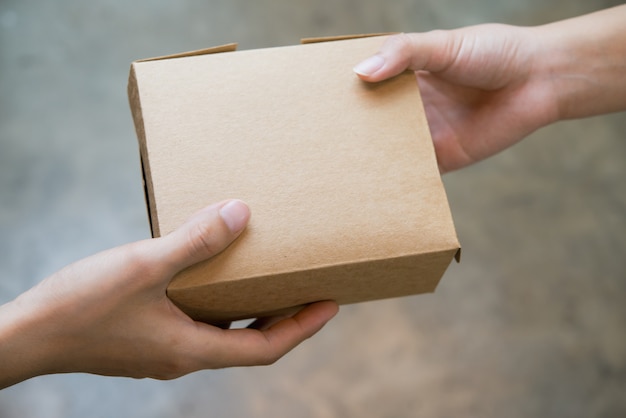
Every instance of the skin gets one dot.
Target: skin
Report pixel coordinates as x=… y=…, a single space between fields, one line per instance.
x=109 y=314
x=484 y=88
x=487 y=87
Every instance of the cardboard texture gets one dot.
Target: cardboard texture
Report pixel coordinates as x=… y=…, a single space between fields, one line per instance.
x=341 y=177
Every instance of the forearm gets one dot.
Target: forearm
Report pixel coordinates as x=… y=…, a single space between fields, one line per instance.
x=585 y=58
x=24 y=347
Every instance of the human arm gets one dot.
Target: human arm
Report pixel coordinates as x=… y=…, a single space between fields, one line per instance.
x=488 y=86
x=109 y=314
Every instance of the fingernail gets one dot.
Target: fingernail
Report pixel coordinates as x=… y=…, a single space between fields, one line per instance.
x=370 y=65
x=235 y=215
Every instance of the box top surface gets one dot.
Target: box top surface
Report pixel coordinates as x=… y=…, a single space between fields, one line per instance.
x=335 y=170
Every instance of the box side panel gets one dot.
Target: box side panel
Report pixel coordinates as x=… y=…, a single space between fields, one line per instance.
x=335 y=170
x=136 y=110
x=261 y=296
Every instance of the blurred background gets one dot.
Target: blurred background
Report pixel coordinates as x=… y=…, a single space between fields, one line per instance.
x=531 y=323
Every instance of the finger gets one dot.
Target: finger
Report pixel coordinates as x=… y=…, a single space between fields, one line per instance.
x=204 y=235
x=249 y=347
x=431 y=51
x=268 y=321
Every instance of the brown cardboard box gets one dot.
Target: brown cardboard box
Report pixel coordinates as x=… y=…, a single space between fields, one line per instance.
x=347 y=202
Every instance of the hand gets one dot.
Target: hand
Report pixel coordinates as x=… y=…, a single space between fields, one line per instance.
x=486 y=87
x=478 y=84
x=108 y=314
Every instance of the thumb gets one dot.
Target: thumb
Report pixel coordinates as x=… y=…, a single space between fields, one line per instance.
x=204 y=235
x=430 y=51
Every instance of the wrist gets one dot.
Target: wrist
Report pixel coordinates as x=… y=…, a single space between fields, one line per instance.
x=583 y=60
x=26 y=348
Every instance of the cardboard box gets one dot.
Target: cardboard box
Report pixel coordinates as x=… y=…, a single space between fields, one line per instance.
x=341 y=177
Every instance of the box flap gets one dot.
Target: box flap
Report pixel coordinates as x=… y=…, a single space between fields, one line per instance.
x=341 y=37
x=213 y=50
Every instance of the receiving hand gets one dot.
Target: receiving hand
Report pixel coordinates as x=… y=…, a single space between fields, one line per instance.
x=109 y=314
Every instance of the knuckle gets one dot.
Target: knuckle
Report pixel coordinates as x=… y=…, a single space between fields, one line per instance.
x=270 y=358
x=402 y=48
x=175 y=362
x=272 y=354
x=139 y=262
x=400 y=42
x=202 y=239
